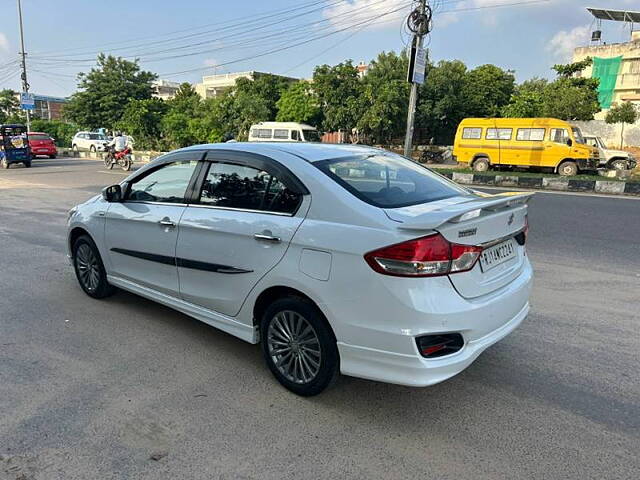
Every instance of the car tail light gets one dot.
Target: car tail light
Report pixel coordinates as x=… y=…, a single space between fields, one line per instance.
x=423 y=257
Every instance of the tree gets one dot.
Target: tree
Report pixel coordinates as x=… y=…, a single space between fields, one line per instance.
x=527 y=100
x=299 y=103
x=487 y=89
x=384 y=99
x=9 y=106
x=106 y=90
x=441 y=104
x=338 y=88
x=142 y=120
x=570 y=69
x=183 y=109
x=62 y=132
x=622 y=113
x=567 y=99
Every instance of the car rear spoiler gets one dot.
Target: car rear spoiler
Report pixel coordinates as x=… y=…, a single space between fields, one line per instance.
x=466 y=211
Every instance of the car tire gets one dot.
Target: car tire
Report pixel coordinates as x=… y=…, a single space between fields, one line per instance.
x=619 y=165
x=481 y=165
x=298 y=346
x=92 y=149
x=568 y=169
x=27 y=164
x=4 y=163
x=74 y=148
x=89 y=268
x=52 y=156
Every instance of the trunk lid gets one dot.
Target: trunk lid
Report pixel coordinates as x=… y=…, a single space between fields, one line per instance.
x=490 y=221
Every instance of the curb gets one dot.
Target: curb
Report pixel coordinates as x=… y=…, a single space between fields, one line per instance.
x=546 y=183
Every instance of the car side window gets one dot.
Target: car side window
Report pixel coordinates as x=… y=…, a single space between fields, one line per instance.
x=246 y=188
x=167 y=184
x=295 y=135
x=471 y=133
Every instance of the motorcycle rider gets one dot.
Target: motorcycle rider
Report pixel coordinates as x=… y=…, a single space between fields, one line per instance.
x=119 y=142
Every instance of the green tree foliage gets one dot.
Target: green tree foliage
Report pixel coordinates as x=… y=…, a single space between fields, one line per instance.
x=384 y=99
x=527 y=100
x=9 y=107
x=61 y=131
x=184 y=110
x=570 y=69
x=106 y=90
x=487 y=89
x=338 y=88
x=622 y=113
x=299 y=103
x=441 y=105
x=142 y=119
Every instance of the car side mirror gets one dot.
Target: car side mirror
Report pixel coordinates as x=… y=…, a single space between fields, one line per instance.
x=569 y=142
x=112 y=193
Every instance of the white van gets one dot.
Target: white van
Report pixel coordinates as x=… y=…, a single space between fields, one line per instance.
x=283 y=132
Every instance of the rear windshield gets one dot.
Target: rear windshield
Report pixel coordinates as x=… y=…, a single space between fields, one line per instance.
x=388 y=180
x=39 y=137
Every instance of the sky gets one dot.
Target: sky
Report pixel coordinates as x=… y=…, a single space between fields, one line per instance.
x=184 y=41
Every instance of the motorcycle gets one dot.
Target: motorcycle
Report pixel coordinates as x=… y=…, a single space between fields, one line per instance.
x=122 y=158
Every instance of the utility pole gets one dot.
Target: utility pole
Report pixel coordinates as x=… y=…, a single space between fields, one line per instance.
x=419 y=22
x=25 y=84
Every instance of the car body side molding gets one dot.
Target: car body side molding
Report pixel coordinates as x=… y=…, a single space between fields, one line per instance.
x=181 y=262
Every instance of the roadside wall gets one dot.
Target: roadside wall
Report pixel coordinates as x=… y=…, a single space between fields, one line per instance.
x=610 y=134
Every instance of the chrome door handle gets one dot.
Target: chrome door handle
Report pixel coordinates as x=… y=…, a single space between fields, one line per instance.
x=268 y=238
x=165 y=222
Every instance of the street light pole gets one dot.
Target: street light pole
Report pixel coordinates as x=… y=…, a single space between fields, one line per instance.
x=25 y=84
x=419 y=23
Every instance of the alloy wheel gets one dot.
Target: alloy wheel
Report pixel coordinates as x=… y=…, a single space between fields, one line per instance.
x=294 y=347
x=88 y=267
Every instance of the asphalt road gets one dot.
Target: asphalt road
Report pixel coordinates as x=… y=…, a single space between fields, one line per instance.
x=92 y=389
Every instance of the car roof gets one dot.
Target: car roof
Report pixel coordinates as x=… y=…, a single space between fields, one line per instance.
x=311 y=152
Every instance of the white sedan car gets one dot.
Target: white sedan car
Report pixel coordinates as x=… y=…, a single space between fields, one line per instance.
x=334 y=258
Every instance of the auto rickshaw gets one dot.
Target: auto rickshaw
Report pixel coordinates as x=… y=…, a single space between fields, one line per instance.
x=14 y=145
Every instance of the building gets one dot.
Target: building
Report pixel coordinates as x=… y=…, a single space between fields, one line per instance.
x=214 y=85
x=362 y=68
x=47 y=107
x=165 y=89
x=616 y=65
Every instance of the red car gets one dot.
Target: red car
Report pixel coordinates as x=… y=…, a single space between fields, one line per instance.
x=42 y=144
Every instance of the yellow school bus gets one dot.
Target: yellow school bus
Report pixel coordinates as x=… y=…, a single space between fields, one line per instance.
x=549 y=143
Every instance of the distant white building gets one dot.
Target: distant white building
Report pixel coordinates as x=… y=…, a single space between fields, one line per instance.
x=214 y=85
x=165 y=89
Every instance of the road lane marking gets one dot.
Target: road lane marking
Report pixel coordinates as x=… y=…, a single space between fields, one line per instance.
x=558 y=192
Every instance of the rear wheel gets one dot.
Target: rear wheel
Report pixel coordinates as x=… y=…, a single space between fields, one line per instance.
x=74 y=148
x=52 y=156
x=298 y=346
x=126 y=164
x=481 y=165
x=89 y=268
x=568 y=169
x=27 y=164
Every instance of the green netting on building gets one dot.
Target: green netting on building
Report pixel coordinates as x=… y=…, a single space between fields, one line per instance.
x=606 y=70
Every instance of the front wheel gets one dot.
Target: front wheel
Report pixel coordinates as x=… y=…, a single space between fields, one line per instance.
x=92 y=149
x=619 y=165
x=107 y=161
x=298 y=346
x=568 y=169
x=89 y=268
x=4 y=163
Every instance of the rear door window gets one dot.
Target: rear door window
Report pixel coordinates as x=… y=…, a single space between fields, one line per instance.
x=246 y=188
x=388 y=180
x=530 y=134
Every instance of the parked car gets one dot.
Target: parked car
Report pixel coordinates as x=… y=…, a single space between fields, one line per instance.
x=612 y=159
x=42 y=145
x=89 y=142
x=283 y=132
x=483 y=143
x=335 y=258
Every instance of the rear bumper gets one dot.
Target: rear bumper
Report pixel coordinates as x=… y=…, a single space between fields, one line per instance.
x=379 y=340
x=413 y=370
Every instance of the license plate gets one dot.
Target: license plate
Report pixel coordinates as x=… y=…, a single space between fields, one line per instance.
x=494 y=256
